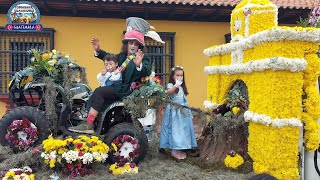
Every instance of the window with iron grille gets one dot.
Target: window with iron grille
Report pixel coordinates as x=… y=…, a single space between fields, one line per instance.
x=161 y=55
x=13 y=51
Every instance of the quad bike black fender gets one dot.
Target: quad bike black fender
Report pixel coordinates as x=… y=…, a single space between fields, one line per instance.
x=116 y=104
x=105 y=116
x=42 y=85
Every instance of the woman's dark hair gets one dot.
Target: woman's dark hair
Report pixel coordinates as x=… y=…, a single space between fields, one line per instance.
x=124 y=48
x=110 y=57
x=183 y=85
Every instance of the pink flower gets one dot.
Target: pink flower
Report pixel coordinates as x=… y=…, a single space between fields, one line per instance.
x=132 y=165
x=35 y=150
x=232 y=153
x=65 y=170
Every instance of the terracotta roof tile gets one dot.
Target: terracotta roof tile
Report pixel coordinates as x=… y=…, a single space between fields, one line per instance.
x=298 y=4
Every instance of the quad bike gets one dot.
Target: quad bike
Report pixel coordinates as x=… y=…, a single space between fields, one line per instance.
x=112 y=121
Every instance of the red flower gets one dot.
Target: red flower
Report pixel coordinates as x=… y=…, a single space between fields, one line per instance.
x=133 y=142
x=82 y=172
x=80 y=154
x=25 y=123
x=116 y=140
x=79 y=145
x=70 y=165
x=90 y=171
x=126 y=138
x=19 y=172
x=79 y=165
x=121 y=164
x=131 y=155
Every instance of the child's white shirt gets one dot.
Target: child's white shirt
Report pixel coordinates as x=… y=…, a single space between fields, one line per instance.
x=108 y=76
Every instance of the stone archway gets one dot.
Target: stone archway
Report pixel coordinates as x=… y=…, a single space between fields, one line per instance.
x=227 y=129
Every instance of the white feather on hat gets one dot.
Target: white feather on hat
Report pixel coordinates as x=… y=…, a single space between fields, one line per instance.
x=155 y=36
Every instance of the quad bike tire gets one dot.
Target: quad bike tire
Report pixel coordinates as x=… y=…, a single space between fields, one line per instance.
x=37 y=117
x=128 y=129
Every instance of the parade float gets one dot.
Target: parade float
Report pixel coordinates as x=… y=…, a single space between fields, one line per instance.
x=279 y=66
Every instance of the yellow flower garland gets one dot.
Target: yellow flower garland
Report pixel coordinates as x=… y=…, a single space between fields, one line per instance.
x=126 y=169
x=233 y=162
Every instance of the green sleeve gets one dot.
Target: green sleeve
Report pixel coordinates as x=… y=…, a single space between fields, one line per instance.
x=146 y=67
x=101 y=54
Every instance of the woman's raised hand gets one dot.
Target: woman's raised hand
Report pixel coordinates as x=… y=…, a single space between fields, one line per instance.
x=138 y=59
x=95 y=44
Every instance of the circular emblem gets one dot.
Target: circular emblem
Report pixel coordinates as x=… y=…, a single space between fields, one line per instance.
x=23 y=12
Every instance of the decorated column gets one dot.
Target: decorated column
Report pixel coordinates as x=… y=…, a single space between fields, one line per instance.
x=278 y=65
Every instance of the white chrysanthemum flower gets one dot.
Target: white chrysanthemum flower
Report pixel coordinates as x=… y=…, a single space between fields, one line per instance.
x=87 y=158
x=51 y=63
x=44 y=155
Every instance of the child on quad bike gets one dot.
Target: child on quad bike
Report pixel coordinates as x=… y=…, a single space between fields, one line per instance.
x=133 y=43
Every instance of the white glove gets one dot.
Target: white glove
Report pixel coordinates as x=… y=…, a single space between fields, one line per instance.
x=178 y=83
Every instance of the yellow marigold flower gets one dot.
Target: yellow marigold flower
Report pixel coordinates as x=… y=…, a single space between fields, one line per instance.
x=52 y=162
x=233 y=162
x=127 y=167
x=114 y=147
x=62 y=150
x=112 y=167
x=235 y=110
x=32 y=177
x=94 y=138
x=9 y=174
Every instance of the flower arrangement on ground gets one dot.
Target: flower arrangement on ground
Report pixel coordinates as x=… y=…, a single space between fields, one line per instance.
x=24 y=173
x=22 y=133
x=125 y=149
x=74 y=155
x=233 y=160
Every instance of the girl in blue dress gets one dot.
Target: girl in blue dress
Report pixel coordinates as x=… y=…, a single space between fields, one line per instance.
x=177 y=131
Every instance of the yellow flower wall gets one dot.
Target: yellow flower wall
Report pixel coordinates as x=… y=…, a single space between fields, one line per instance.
x=311 y=103
x=274 y=150
x=279 y=48
x=266 y=18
